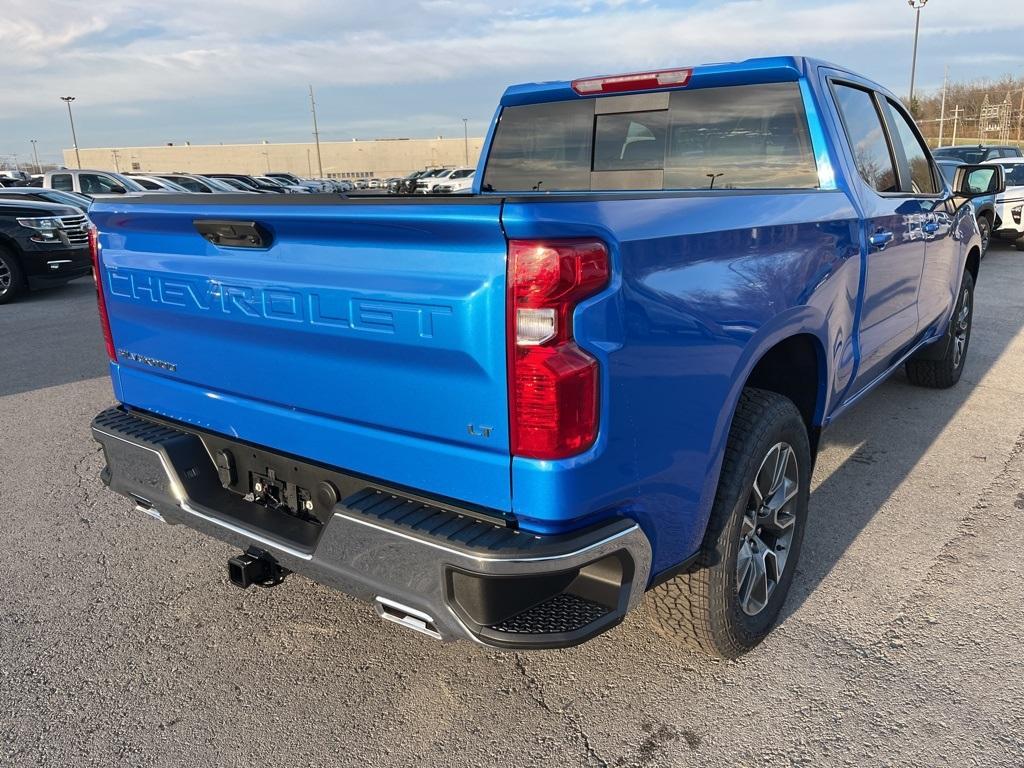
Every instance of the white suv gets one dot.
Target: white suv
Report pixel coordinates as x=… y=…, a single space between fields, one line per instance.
x=1009 y=206
x=460 y=182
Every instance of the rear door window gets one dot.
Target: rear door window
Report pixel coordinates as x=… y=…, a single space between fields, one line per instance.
x=736 y=137
x=867 y=138
x=922 y=180
x=62 y=181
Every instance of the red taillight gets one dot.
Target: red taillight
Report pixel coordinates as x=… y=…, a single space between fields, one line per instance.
x=94 y=252
x=553 y=384
x=636 y=81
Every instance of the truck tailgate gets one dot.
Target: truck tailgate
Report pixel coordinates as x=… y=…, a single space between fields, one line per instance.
x=369 y=335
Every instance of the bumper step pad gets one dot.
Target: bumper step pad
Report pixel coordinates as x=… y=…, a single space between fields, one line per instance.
x=559 y=614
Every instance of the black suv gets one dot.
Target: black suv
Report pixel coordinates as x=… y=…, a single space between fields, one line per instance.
x=972 y=154
x=42 y=245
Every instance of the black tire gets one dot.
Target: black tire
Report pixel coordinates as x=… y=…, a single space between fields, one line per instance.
x=985 y=230
x=12 y=283
x=942 y=367
x=702 y=607
x=1019 y=244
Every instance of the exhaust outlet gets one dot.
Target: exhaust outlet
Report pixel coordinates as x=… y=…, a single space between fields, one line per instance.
x=145 y=506
x=405 y=616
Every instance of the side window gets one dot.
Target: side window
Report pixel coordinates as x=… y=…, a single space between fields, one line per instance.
x=922 y=180
x=95 y=184
x=867 y=138
x=190 y=184
x=62 y=181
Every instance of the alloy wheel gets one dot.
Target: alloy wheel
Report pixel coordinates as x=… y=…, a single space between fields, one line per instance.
x=961 y=330
x=769 y=522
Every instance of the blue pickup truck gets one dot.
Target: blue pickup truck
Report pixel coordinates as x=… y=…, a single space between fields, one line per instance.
x=508 y=416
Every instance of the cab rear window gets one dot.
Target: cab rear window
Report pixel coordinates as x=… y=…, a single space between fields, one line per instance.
x=736 y=137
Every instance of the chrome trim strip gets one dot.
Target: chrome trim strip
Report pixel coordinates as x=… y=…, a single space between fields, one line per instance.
x=248 y=533
x=509 y=560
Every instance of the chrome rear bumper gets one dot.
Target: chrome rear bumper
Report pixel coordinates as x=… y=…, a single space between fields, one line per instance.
x=430 y=566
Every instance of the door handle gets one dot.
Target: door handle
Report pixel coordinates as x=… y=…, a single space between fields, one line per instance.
x=880 y=239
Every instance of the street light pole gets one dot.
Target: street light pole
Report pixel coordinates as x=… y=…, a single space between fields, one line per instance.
x=35 y=156
x=465 y=133
x=942 y=111
x=917 y=5
x=316 y=134
x=74 y=139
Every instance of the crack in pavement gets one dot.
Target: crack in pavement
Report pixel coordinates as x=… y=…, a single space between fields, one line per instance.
x=537 y=694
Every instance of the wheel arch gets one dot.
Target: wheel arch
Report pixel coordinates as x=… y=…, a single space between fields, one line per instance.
x=11 y=246
x=795 y=367
x=973 y=262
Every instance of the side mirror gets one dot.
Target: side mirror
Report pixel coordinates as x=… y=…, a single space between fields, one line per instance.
x=976 y=180
x=117 y=189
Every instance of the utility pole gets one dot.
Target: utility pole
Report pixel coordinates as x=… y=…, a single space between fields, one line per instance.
x=309 y=162
x=465 y=133
x=74 y=139
x=956 y=122
x=117 y=165
x=917 y=5
x=35 y=156
x=316 y=133
x=942 y=112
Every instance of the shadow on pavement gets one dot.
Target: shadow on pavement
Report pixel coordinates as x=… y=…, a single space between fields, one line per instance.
x=894 y=427
x=51 y=337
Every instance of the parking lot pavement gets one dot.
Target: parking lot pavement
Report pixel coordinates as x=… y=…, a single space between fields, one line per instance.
x=121 y=642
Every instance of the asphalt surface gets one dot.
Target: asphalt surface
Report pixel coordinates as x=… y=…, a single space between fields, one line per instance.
x=121 y=642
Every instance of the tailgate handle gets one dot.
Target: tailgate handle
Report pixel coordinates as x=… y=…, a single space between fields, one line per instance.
x=233 y=234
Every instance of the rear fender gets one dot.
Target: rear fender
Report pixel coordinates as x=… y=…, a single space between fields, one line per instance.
x=793 y=322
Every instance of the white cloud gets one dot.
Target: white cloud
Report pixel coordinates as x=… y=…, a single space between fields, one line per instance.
x=130 y=53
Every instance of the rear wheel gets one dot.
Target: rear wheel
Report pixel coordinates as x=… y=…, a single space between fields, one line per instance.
x=729 y=601
x=935 y=372
x=985 y=230
x=11 y=281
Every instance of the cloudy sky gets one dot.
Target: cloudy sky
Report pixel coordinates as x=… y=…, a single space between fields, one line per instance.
x=146 y=72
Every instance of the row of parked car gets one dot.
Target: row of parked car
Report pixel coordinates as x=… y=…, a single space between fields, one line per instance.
x=998 y=214
x=457 y=180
